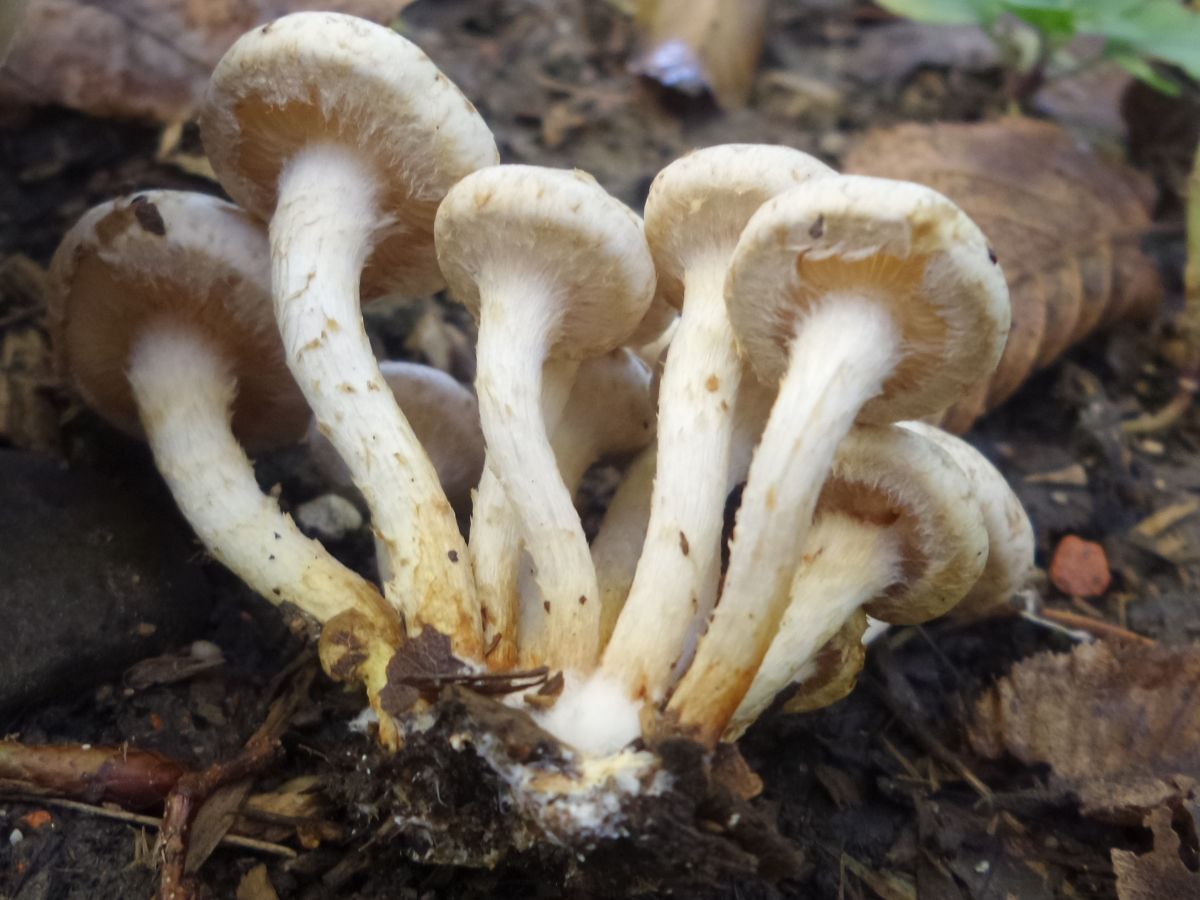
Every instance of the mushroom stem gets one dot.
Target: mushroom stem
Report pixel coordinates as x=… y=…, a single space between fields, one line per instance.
x=495 y=541
x=619 y=541
x=846 y=563
x=841 y=354
x=511 y=352
x=676 y=579
x=184 y=393
x=321 y=233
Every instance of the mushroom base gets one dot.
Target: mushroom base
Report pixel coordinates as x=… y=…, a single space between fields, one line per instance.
x=478 y=783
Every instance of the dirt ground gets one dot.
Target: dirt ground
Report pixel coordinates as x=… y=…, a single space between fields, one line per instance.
x=882 y=792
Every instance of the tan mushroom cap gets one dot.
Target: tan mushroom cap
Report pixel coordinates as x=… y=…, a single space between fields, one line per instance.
x=444 y=415
x=658 y=318
x=553 y=228
x=1011 y=541
x=173 y=257
x=834 y=670
x=892 y=242
x=702 y=201
x=893 y=477
x=612 y=401
x=315 y=77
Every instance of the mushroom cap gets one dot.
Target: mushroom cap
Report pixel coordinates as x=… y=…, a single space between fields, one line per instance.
x=894 y=477
x=833 y=672
x=444 y=415
x=891 y=242
x=660 y=315
x=611 y=397
x=177 y=258
x=314 y=77
x=520 y=226
x=700 y=203
x=1011 y=542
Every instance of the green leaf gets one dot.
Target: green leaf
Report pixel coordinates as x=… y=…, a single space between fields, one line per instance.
x=945 y=12
x=1160 y=29
x=1137 y=66
x=1056 y=20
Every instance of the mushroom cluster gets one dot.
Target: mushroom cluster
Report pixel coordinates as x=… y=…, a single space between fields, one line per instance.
x=769 y=326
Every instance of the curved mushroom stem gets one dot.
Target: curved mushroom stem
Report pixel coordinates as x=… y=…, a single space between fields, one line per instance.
x=321 y=234
x=184 y=393
x=677 y=575
x=495 y=542
x=846 y=563
x=622 y=534
x=495 y=549
x=509 y=381
x=841 y=354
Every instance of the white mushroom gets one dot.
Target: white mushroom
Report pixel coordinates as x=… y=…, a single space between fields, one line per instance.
x=864 y=299
x=898 y=531
x=554 y=268
x=163 y=311
x=346 y=137
x=695 y=212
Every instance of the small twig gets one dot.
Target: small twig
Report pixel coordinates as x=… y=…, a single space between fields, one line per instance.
x=1189 y=322
x=120 y=815
x=1168 y=415
x=190 y=792
x=929 y=741
x=1098 y=627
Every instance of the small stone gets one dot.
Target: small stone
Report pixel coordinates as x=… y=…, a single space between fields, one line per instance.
x=329 y=517
x=1080 y=568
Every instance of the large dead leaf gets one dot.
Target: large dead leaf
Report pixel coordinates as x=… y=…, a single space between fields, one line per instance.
x=1065 y=223
x=139 y=58
x=1160 y=873
x=1119 y=724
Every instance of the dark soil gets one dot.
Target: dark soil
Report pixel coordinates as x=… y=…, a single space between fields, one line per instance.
x=879 y=788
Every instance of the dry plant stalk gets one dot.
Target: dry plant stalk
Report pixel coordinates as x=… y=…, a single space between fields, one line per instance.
x=1064 y=222
x=1189 y=324
x=694 y=44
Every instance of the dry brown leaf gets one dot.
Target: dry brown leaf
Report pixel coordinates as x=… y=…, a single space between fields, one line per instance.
x=1160 y=873
x=214 y=820
x=140 y=58
x=1065 y=223
x=256 y=885
x=1119 y=724
x=691 y=45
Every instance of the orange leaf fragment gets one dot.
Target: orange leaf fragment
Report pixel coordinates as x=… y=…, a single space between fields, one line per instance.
x=36 y=820
x=1080 y=568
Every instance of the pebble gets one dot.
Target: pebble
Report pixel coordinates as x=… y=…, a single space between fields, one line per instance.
x=329 y=517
